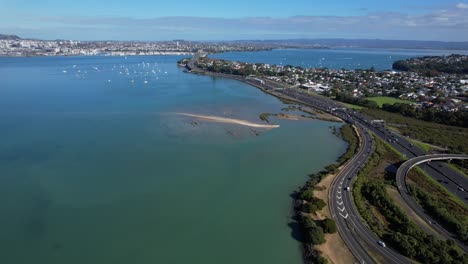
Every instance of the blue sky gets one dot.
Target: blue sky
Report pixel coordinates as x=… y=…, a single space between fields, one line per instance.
x=239 y=19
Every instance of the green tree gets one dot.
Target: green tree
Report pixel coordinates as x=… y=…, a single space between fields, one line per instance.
x=307 y=195
x=328 y=225
x=315 y=235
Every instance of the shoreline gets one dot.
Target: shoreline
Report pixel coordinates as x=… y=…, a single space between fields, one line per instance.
x=318 y=184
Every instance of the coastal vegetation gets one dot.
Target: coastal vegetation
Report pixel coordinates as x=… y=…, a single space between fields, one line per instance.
x=388 y=221
x=349 y=135
x=264 y=117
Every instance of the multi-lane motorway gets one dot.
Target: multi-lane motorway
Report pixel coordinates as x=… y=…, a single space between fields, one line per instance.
x=357 y=236
x=401 y=181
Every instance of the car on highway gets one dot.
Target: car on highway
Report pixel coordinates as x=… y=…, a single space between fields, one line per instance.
x=348 y=189
x=381 y=243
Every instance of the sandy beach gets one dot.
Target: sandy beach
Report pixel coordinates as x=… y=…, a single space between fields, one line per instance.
x=228 y=120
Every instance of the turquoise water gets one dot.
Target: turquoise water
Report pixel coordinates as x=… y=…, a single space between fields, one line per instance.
x=95 y=167
x=339 y=58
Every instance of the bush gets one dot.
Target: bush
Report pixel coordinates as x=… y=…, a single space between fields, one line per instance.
x=319 y=203
x=310 y=208
x=332 y=168
x=314 y=205
x=307 y=195
x=308 y=222
x=315 y=235
x=328 y=225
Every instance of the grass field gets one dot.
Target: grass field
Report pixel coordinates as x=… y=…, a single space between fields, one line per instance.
x=352 y=106
x=380 y=100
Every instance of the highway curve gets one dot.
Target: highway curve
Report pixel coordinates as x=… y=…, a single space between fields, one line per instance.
x=401 y=180
x=357 y=236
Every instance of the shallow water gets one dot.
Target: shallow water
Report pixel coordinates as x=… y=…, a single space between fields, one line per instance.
x=95 y=169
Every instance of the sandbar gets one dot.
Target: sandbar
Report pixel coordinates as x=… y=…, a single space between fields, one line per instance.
x=228 y=120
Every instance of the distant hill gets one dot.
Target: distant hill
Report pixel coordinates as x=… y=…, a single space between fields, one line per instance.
x=337 y=43
x=434 y=65
x=367 y=43
x=4 y=36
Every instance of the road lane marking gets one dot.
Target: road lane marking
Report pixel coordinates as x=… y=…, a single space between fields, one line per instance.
x=340 y=203
x=342 y=209
x=344 y=216
x=339 y=190
x=339 y=197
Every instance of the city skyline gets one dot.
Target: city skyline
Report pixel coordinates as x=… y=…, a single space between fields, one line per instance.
x=202 y=20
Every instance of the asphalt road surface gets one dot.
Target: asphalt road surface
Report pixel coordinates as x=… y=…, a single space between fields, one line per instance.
x=404 y=191
x=357 y=236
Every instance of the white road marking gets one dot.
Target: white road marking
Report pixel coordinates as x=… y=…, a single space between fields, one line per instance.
x=339 y=190
x=344 y=216
x=339 y=197
x=340 y=203
x=342 y=209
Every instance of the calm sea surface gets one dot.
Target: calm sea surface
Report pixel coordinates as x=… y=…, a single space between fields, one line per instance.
x=96 y=167
x=380 y=59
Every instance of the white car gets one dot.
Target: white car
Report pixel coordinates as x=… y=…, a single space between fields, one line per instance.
x=348 y=189
x=381 y=243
